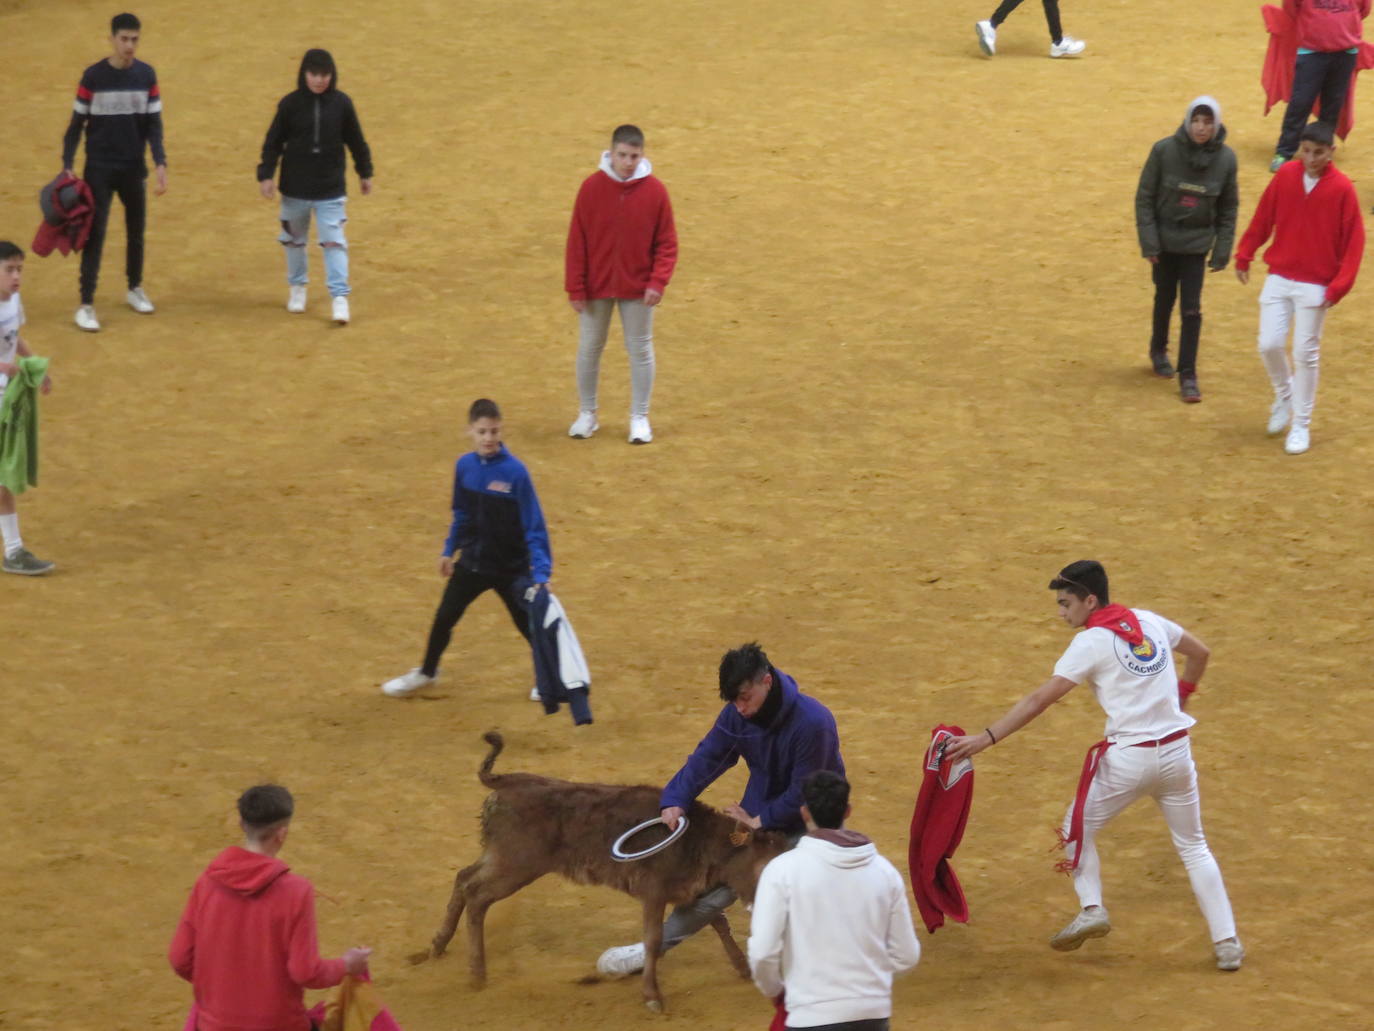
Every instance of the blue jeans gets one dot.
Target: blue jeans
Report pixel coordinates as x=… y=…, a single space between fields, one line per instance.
x=329 y=230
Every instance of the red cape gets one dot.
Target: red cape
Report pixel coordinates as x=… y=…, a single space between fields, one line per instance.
x=1277 y=74
x=937 y=827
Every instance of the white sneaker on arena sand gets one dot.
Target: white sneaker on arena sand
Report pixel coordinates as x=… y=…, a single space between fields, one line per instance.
x=1280 y=415
x=1229 y=954
x=295 y=300
x=341 y=310
x=584 y=426
x=85 y=319
x=534 y=694
x=1067 y=47
x=1299 y=440
x=1089 y=923
x=138 y=301
x=407 y=683
x=640 y=431
x=987 y=37
x=621 y=961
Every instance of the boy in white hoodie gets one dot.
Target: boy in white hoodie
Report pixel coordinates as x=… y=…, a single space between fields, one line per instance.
x=831 y=923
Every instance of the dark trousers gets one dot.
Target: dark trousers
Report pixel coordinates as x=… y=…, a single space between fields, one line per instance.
x=1315 y=75
x=876 y=1024
x=130 y=185
x=464 y=587
x=1179 y=275
x=1051 y=16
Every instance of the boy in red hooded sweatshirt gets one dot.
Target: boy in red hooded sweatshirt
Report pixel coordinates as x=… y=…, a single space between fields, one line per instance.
x=246 y=940
x=1311 y=209
x=622 y=247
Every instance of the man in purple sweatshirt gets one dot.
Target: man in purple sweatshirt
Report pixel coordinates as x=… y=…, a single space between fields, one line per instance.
x=782 y=735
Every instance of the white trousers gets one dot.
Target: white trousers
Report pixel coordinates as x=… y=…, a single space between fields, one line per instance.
x=594 y=324
x=1284 y=303
x=1167 y=775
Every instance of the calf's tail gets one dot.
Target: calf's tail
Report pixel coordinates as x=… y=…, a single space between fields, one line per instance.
x=484 y=773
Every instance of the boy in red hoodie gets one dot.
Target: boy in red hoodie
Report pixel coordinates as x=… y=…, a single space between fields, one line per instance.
x=622 y=247
x=246 y=940
x=1311 y=209
x=1329 y=37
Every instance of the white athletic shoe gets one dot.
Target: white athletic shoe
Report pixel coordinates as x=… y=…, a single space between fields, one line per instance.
x=341 y=310
x=621 y=961
x=1229 y=954
x=534 y=694
x=85 y=319
x=295 y=300
x=640 y=431
x=1067 y=47
x=1089 y=923
x=1299 y=440
x=1280 y=415
x=584 y=426
x=407 y=683
x=987 y=37
x=138 y=301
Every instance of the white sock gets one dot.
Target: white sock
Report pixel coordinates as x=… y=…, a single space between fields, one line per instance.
x=9 y=529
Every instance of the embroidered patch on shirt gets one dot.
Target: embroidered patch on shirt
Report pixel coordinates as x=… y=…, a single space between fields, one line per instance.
x=500 y=486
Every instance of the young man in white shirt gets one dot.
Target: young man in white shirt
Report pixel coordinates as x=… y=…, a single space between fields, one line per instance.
x=831 y=924
x=1127 y=654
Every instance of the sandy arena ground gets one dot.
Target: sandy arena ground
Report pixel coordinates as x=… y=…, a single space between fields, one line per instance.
x=902 y=379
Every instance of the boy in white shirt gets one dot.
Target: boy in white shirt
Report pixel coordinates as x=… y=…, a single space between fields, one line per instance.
x=18 y=559
x=1127 y=654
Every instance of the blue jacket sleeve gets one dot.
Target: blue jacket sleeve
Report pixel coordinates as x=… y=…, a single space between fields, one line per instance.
x=536 y=533
x=460 y=514
x=715 y=754
x=817 y=750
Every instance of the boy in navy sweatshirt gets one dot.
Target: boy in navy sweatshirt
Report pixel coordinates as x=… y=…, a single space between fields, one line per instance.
x=119 y=106
x=499 y=534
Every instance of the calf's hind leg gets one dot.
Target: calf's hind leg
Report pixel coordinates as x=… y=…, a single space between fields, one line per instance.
x=653 y=942
x=456 y=902
x=488 y=884
x=732 y=949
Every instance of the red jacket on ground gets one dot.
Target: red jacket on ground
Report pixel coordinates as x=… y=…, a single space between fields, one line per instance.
x=621 y=240
x=937 y=827
x=1328 y=25
x=1318 y=236
x=246 y=942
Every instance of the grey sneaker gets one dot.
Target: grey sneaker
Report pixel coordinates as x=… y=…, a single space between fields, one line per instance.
x=1229 y=954
x=26 y=563
x=1089 y=923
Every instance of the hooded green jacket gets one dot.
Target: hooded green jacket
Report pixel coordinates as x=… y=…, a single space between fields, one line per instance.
x=1187 y=198
x=19 y=426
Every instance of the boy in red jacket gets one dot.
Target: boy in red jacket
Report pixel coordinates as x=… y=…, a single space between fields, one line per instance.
x=1311 y=209
x=1329 y=37
x=622 y=247
x=246 y=940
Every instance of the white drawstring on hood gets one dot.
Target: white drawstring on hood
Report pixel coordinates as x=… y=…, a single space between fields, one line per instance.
x=641 y=170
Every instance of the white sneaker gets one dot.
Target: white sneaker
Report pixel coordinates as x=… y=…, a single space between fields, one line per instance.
x=1089 y=923
x=534 y=694
x=341 y=310
x=621 y=961
x=407 y=683
x=295 y=300
x=640 y=431
x=1067 y=47
x=1229 y=954
x=584 y=426
x=1299 y=440
x=138 y=301
x=987 y=37
x=1280 y=415
x=85 y=319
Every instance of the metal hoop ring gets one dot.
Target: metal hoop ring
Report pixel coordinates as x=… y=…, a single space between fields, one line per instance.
x=619 y=854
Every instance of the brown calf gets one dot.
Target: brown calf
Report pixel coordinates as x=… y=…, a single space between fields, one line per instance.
x=534 y=825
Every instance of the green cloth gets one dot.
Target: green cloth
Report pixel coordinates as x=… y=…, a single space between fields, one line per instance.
x=19 y=426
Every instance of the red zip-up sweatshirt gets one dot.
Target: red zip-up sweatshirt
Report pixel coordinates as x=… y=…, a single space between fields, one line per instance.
x=1318 y=236
x=246 y=942
x=621 y=241
x=1328 y=25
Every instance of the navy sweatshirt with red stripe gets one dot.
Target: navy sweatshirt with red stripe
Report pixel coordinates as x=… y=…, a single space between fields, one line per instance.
x=121 y=111
x=1318 y=236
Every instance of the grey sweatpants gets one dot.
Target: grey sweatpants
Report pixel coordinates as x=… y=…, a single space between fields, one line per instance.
x=594 y=324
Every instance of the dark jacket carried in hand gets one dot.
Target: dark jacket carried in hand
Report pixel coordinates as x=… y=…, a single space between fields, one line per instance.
x=309 y=134
x=1187 y=198
x=68 y=213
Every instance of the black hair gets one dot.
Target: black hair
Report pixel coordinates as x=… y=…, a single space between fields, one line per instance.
x=1203 y=109
x=321 y=62
x=630 y=134
x=1081 y=579
x=125 y=22
x=740 y=666
x=10 y=250
x=826 y=795
x=263 y=806
x=483 y=408
x=1319 y=132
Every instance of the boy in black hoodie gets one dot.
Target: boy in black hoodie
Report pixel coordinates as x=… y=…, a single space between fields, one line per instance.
x=312 y=126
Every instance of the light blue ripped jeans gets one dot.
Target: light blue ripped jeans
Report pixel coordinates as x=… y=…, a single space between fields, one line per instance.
x=329 y=229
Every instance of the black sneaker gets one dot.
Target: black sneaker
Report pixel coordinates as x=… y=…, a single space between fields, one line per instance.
x=1160 y=360
x=1187 y=389
x=26 y=563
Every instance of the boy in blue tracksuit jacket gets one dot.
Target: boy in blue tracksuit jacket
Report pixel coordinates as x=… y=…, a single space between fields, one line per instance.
x=782 y=735
x=499 y=535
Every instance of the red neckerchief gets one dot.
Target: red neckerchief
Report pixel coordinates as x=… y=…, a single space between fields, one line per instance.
x=1119 y=620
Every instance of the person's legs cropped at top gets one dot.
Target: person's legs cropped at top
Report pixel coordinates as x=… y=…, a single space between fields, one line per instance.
x=1336 y=86
x=637 y=323
x=132 y=189
x=1052 y=22
x=330 y=216
x=464 y=586
x=1165 y=273
x=1120 y=780
x=1285 y=303
x=102 y=183
x=1310 y=73
x=1192 y=271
